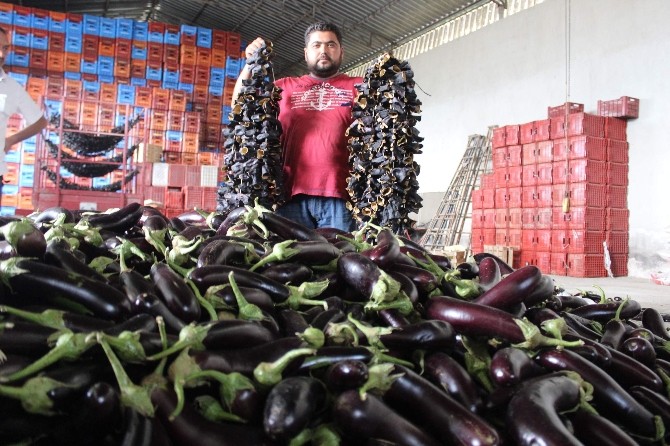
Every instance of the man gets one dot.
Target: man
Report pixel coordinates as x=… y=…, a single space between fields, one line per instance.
x=14 y=99
x=315 y=112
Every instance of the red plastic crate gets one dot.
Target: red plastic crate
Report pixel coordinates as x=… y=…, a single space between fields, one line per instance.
x=528 y=239
x=209 y=198
x=178 y=100
x=487 y=181
x=619 y=265
x=580 y=170
x=513 y=156
x=543 y=194
x=188 y=55
x=586 y=265
x=557 y=126
x=580 y=194
x=543 y=261
x=509 y=177
x=477 y=219
x=192 y=176
x=544 y=152
x=528 y=218
x=536 y=174
x=514 y=238
x=515 y=218
x=174 y=198
x=617 y=151
x=563 y=109
x=501 y=218
x=527 y=133
x=514 y=197
x=615 y=128
x=558 y=264
x=528 y=197
x=203 y=56
x=543 y=218
x=500 y=198
x=559 y=240
x=176 y=175
x=586 y=124
x=193 y=197
x=585 y=242
x=489 y=218
x=527 y=257
x=489 y=236
x=580 y=217
x=543 y=130
x=624 y=107
x=499 y=157
x=501 y=236
x=617 y=196
x=477 y=199
x=581 y=147
x=617 y=242
x=498 y=138
x=617 y=174
x=617 y=219
x=529 y=154
x=511 y=135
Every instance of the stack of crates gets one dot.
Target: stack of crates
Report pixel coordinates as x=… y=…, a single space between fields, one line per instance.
x=97 y=72
x=558 y=194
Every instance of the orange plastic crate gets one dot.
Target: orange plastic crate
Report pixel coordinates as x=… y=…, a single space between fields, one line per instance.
x=171 y=56
x=108 y=92
x=190 y=159
x=175 y=120
x=188 y=55
x=122 y=68
x=72 y=62
x=174 y=198
x=203 y=57
x=190 y=142
x=219 y=58
x=143 y=96
x=178 y=100
x=161 y=98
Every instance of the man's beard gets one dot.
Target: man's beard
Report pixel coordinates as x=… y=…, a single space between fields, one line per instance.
x=327 y=71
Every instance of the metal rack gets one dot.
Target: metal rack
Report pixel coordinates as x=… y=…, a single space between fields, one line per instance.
x=447 y=226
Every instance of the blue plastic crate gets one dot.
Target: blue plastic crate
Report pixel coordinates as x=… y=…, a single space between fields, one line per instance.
x=72 y=75
x=21 y=78
x=7 y=17
x=233 y=66
x=155 y=36
x=174 y=135
x=124 y=28
x=64 y=173
x=105 y=66
x=89 y=66
x=216 y=90
x=73 y=43
x=154 y=74
x=140 y=31
x=171 y=37
x=39 y=21
x=125 y=94
x=171 y=76
x=170 y=85
x=10 y=189
x=186 y=87
x=138 y=81
x=91 y=25
x=7 y=211
x=28 y=146
x=18 y=59
x=204 y=37
x=138 y=53
x=57 y=26
x=21 y=19
x=74 y=28
x=107 y=27
x=217 y=76
x=53 y=106
x=39 y=42
x=91 y=86
x=27 y=177
x=104 y=78
x=13 y=156
x=101 y=181
x=225 y=115
x=21 y=37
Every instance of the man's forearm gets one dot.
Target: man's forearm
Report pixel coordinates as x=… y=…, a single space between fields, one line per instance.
x=25 y=133
x=244 y=74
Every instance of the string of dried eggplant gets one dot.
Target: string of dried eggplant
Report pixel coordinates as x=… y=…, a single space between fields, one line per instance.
x=89 y=144
x=383 y=140
x=81 y=167
x=252 y=160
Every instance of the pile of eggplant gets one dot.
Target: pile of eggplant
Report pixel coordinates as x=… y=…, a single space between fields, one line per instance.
x=252 y=160
x=383 y=140
x=126 y=327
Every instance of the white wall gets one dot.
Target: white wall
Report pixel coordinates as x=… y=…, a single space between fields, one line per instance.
x=511 y=71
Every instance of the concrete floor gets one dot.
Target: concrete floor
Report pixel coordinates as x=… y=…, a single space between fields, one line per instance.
x=646 y=292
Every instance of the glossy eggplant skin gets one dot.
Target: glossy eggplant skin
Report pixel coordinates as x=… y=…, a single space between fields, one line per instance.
x=533 y=412
x=363 y=418
x=291 y=405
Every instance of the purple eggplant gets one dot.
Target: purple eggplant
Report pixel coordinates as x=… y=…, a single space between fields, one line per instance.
x=511 y=366
x=533 y=412
x=24 y=237
x=653 y=321
x=291 y=405
x=362 y=418
x=505 y=268
x=595 y=430
x=346 y=374
x=613 y=333
x=175 y=293
x=603 y=312
x=448 y=374
x=512 y=289
x=489 y=273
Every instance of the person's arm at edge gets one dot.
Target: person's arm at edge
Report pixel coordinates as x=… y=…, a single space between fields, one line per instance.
x=25 y=133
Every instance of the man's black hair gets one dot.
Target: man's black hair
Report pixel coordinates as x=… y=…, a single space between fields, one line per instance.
x=323 y=26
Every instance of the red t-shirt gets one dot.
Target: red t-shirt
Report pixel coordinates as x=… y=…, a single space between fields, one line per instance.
x=315 y=115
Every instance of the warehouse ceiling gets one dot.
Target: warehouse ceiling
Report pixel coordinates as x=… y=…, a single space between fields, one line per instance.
x=370 y=27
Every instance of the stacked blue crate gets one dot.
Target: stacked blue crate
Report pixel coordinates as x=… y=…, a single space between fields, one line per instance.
x=107 y=27
x=124 y=28
x=21 y=18
x=91 y=25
